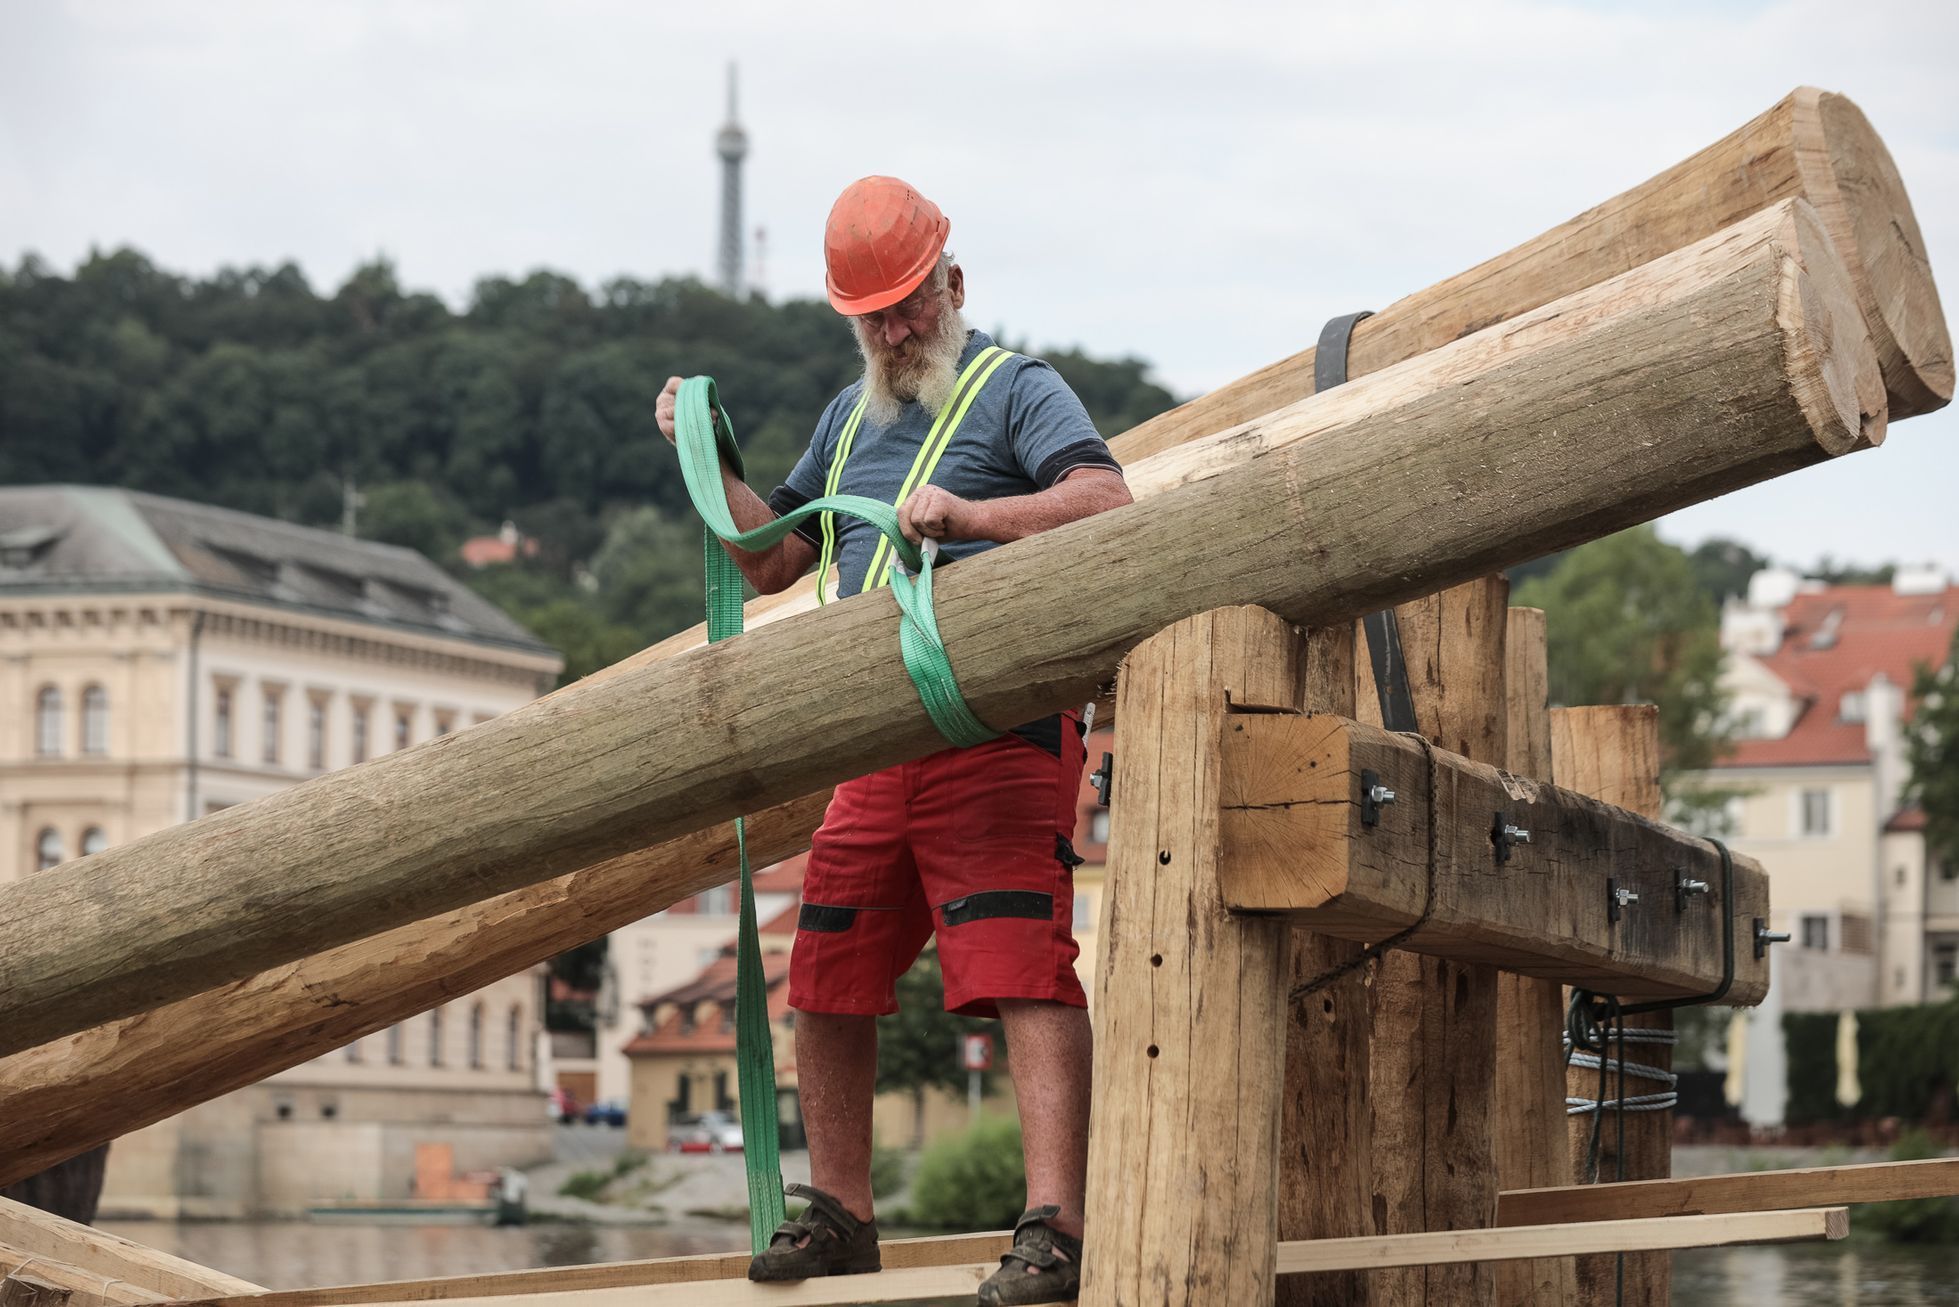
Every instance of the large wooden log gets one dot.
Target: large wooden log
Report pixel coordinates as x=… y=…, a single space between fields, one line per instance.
x=111 y=1257
x=1532 y=1146
x=1811 y=143
x=1431 y=1060
x=1326 y=1148
x=150 y=1067
x=1612 y=752
x=1756 y=364
x=1300 y=843
x=1189 y=1000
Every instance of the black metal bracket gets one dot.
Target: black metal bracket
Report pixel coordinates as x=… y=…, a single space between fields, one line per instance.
x=1103 y=778
x=1502 y=839
x=1613 y=908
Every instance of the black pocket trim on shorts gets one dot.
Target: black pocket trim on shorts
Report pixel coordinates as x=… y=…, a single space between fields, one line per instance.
x=825 y=918
x=1030 y=904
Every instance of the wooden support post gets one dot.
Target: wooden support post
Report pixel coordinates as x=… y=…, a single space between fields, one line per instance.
x=1326 y=1185
x=1532 y=1144
x=1433 y=1059
x=40 y=1234
x=1190 y=1001
x=1613 y=754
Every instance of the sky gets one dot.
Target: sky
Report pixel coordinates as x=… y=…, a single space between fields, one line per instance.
x=1200 y=186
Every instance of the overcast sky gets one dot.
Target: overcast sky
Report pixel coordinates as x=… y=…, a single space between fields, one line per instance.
x=1197 y=184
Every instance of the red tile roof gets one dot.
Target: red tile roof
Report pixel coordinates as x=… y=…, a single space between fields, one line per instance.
x=1906 y=819
x=680 y=1033
x=1876 y=630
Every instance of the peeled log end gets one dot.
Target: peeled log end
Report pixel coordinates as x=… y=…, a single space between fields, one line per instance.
x=1831 y=360
x=1886 y=252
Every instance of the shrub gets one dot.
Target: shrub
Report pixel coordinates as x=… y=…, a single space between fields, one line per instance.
x=887 y=1171
x=585 y=1184
x=971 y=1181
x=1916 y=1220
x=1810 y=1041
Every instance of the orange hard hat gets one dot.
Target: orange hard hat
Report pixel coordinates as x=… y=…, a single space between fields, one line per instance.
x=882 y=239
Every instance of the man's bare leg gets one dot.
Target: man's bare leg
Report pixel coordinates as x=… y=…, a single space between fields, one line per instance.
x=1049 y=1048
x=836 y=1075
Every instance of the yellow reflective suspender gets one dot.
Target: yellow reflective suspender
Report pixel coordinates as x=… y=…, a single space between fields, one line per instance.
x=971 y=379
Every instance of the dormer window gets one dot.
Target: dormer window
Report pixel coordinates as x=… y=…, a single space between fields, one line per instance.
x=1853 y=707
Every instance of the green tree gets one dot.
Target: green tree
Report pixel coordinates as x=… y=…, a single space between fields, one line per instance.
x=1627 y=623
x=649 y=573
x=413 y=515
x=1932 y=746
x=918 y=1046
x=1722 y=567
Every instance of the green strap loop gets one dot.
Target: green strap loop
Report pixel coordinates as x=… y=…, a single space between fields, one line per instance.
x=704 y=437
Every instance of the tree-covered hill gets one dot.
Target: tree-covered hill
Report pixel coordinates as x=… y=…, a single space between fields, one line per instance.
x=534 y=403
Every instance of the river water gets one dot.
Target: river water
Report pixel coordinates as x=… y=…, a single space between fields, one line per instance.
x=298 y=1254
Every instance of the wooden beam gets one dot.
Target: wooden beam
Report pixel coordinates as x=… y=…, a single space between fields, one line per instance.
x=1326 y=1175
x=1745 y=1191
x=109 y=1256
x=1756 y=363
x=1433 y=1045
x=1298 y=843
x=1190 y=1001
x=898 y=1255
x=1613 y=753
x=1532 y=1146
x=32 y=1279
x=1811 y=143
x=1452 y=1247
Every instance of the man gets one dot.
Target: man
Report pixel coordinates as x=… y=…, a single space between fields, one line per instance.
x=978 y=447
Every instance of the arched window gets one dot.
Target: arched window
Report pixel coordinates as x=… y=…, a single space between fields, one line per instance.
x=476 y=1036
x=435 y=1037
x=395 y=1055
x=47 y=722
x=47 y=849
x=93 y=841
x=95 y=720
x=515 y=1040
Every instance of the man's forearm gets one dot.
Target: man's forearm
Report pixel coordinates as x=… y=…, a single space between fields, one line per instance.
x=768 y=570
x=1083 y=493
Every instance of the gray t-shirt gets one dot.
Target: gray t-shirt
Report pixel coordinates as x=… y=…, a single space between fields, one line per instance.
x=1024 y=432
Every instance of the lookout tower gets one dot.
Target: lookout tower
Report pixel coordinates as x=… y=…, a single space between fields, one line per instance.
x=731 y=143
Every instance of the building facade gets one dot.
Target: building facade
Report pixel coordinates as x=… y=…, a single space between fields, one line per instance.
x=1819 y=679
x=162 y=660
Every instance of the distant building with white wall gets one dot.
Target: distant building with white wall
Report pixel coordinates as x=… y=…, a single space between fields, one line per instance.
x=1819 y=678
x=161 y=660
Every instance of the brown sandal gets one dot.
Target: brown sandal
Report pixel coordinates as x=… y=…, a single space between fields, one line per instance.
x=838 y=1243
x=1033 y=1270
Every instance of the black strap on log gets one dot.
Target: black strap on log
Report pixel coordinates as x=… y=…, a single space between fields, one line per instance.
x=1383 y=632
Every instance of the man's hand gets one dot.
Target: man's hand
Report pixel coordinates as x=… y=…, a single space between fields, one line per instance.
x=663 y=407
x=936 y=512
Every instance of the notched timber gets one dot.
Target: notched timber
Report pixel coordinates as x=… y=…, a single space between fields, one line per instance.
x=1296 y=841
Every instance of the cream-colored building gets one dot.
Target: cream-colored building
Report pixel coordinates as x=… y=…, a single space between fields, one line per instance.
x=161 y=660
x=1818 y=678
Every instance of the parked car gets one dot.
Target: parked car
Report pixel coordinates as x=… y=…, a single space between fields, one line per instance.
x=710 y=1132
x=562 y=1106
x=607 y=1111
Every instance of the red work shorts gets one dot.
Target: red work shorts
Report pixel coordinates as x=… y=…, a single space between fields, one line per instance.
x=972 y=843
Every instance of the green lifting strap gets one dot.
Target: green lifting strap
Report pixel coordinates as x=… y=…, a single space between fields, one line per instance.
x=704 y=437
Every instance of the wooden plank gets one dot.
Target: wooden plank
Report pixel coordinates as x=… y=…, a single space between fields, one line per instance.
x=1433 y=1043
x=111 y=1256
x=1532 y=1146
x=1449 y=1247
x=1613 y=753
x=75 y=1094
x=1746 y=1191
x=1190 y=1001
x=1753 y=362
x=1326 y=1183
x=25 y=1289
x=30 y=1277
x=898 y=1254
x=1298 y=842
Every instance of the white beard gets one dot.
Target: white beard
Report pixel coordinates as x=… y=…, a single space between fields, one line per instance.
x=928 y=377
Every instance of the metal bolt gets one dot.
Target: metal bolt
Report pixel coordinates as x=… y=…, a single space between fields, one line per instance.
x=1694 y=887
x=1765 y=937
x=1517 y=833
x=1625 y=896
x=1381 y=794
